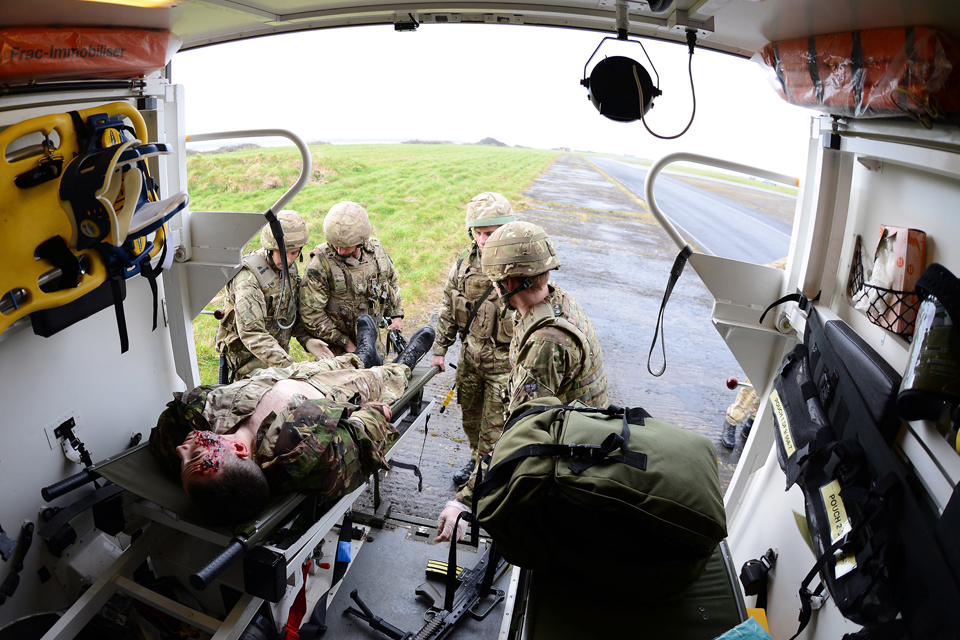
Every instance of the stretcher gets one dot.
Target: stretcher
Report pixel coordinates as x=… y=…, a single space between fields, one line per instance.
x=140 y=497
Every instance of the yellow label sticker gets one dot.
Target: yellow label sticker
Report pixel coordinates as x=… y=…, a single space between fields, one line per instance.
x=840 y=525
x=110 y=137
x=780 y=413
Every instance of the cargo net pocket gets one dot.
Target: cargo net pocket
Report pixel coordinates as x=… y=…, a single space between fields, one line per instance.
x=895 y=311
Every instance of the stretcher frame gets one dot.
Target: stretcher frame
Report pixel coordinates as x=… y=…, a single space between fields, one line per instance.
x=411 y=413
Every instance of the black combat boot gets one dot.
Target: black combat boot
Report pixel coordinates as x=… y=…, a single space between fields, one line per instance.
x=460 y=477
x=420 y=342
x=367 y=342
x=728 y=437
x=746 y=426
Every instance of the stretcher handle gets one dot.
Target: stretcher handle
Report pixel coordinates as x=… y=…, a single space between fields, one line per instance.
x=220 y=563
x=67 y=485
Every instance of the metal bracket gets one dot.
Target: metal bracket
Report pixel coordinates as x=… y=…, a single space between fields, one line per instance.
x=680 y=20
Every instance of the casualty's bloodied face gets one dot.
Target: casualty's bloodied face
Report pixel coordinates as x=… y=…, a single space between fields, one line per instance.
x=202 y=455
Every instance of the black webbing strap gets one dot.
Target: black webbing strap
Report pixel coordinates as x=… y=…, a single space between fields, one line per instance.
x=56 y=252
x=812 y=68
x=409 y=466
x=503 y=470
x=317 y=624
x=118 y=308
x=474 y=310
x=802 y=301
x=678 y=264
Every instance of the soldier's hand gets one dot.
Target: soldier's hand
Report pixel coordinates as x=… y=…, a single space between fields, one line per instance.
x=318 y=348
x=350 y=347
x=396 y=323
x=438 y=362
x=382 y=407
x=447 y=519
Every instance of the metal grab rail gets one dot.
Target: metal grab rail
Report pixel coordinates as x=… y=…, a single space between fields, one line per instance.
x=659 y=165
x=263 y=133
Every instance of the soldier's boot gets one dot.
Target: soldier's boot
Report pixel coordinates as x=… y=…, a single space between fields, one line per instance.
x=367 y=342
x=728 y=437
x=420 y=342
x=746 y=426
x=460 y=477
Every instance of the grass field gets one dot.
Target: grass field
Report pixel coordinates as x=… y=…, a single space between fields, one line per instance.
x=416 y=195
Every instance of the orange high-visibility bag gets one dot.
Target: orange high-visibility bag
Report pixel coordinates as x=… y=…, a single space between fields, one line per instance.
x=867 y=74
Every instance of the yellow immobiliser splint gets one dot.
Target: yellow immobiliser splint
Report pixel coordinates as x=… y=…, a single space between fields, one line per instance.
x=33 y=215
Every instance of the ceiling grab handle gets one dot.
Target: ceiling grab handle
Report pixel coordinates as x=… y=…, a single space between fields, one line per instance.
x=271 y=213
x=264 y=133
x=685 y=249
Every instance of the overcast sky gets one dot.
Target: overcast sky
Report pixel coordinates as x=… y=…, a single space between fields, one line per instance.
x=520 y=85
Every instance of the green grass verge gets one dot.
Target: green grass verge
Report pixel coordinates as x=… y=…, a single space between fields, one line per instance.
x=416 y=195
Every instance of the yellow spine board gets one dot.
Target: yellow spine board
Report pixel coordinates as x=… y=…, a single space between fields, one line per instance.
x=33 y=215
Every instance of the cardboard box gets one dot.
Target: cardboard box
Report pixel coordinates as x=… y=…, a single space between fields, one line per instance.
x=910 y=255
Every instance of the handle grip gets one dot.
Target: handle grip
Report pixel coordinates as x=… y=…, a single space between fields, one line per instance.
x=67 y=485
x=220 y=563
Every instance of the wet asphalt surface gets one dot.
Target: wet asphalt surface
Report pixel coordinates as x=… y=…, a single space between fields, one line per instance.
x=616 y=262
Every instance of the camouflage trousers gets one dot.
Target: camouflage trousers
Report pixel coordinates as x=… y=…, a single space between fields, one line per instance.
x=745 y=406
x=243 y=363
x=343 y=379
x=478 y=395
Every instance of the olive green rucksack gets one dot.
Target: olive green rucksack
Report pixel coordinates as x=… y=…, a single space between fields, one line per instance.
x=603 y=494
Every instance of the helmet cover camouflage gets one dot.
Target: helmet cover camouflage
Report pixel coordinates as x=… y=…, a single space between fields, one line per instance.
x=295 y=232
x=518 y=250
x=346 y=225
x=489 y=210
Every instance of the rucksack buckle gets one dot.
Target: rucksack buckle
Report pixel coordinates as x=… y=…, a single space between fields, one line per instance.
x=584 y=450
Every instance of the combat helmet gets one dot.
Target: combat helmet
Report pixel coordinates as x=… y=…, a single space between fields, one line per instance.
x=295 y=232
x=518 y=250
x=346 y=225
x=488 y=210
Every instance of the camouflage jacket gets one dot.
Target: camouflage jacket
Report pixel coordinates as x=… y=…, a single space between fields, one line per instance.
x=319 y=446
x=249 y=328
x=486 y=342
x=337 y=291
x=555 y=352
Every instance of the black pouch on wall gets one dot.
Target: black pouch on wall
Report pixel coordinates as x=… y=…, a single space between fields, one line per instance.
x=800 y=424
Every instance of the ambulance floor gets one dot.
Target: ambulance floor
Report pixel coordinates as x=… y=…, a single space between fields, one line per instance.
x=386 y=573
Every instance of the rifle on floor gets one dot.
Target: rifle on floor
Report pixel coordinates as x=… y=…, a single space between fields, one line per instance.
x=475 y=585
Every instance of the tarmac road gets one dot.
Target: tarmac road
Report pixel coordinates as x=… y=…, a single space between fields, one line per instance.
x=616 y=262
x=729 y=226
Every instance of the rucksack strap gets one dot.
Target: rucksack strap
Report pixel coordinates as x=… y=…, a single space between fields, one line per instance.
x=474 y=310
x=593 y=453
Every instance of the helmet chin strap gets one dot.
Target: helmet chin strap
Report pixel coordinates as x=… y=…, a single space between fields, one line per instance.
x=526 y=284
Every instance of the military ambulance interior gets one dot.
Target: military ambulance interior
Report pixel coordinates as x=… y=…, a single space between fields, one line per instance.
x=198 y=249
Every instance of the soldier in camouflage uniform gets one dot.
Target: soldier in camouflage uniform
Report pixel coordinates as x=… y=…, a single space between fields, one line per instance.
x=349 y=275
x=317 y=427
x=472 y=309
x=554 y=351
x=257 y=324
